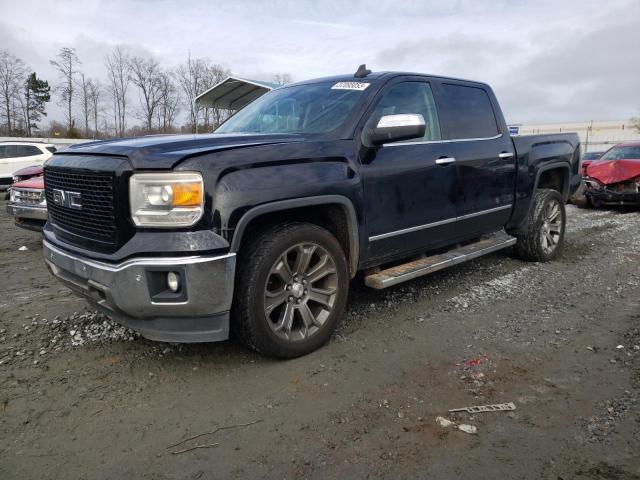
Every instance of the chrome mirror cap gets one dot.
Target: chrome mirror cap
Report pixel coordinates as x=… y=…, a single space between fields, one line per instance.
x=401 y=120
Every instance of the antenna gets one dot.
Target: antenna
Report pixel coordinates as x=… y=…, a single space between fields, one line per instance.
x=362 y=71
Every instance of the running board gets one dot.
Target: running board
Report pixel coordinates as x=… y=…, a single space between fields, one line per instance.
x=423 y=266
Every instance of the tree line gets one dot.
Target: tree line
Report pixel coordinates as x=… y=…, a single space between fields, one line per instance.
x=136 y=88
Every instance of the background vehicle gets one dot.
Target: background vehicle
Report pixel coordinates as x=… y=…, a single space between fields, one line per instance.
x=27 y=203
x=615 y=178
x=17 y=155
x=265 y=221
x=27 y=172
x=587 y=158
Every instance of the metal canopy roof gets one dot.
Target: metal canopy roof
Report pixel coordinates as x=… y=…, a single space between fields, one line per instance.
x=233 y=93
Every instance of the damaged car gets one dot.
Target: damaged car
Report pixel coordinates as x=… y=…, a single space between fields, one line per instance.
x=614 y=179
x=27 y=203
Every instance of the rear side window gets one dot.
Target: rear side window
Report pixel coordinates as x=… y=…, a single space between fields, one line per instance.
x=28 y=151
x=52 y=149
x=470 y=111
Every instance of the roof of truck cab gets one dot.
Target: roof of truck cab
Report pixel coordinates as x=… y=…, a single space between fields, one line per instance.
x=375 y=77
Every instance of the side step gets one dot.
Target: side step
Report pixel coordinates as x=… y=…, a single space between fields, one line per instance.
x=423 y=266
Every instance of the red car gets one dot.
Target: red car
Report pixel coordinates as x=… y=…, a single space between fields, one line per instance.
x=587 y=158
x=27 y=202
x=614 y=179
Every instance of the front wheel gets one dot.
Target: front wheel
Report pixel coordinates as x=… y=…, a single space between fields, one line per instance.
x=291 y=290
x=544 y=237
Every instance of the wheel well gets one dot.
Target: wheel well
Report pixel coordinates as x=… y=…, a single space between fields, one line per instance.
x=555 y=179
x=332 y=217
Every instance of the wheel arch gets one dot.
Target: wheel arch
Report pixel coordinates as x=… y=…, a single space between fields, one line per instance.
x=555 y=176
x=334 y=212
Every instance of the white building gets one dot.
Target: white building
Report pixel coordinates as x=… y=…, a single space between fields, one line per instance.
x=595 y=135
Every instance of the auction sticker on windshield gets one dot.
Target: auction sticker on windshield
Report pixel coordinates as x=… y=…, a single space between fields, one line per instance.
x=350 y=86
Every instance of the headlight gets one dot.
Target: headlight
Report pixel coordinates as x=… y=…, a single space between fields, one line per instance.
x=12 y=195
x=172 y=199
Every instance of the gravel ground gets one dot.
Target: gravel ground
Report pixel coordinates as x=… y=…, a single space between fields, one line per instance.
x=83 y=397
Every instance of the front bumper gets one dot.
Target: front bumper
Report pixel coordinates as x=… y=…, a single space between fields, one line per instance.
x=32 y=212
x=608 y=197
x=134 y=292
x=29 y=217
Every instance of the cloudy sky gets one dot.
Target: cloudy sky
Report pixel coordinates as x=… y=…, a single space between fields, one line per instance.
x=548 y=60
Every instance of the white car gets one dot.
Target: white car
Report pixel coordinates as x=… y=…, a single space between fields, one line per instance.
x=17 y=155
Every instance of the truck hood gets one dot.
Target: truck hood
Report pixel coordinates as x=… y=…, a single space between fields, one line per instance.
x=28 y=171
x=165 y=151
x=36 y=183
x=614 y=171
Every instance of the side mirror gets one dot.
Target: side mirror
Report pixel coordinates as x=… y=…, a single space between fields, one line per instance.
x=395 y=128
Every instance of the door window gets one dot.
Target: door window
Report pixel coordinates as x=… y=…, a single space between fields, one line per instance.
x=471 y=112
x=411 y=97
x=28 y=151
x=8 y=151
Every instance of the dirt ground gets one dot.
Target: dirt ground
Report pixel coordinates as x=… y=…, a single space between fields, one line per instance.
x=82 y=398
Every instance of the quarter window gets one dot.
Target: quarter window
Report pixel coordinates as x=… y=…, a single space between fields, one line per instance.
x=471 y=113
x=411 y=97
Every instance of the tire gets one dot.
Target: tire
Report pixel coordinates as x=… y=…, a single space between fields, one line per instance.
x=543 y=239
x=282 y=312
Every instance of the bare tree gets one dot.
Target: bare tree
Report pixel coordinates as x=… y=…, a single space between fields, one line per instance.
x=190 y=76
x=95 y=96
x=635 y=121
x=168 y=105
x=12 y=72
x=213 y=116
x=118 y=70
x=85 y=102
x=66 y=66
x=282 y=79
x=146 y=75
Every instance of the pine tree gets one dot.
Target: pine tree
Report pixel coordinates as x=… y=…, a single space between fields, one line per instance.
x=36 y=94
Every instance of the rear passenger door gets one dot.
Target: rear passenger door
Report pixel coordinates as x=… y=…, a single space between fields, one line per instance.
x=27 y=155
x=7 y=154
x=485 y=158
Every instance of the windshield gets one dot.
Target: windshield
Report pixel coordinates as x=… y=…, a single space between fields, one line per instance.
x=621 y=153
x=312 y=109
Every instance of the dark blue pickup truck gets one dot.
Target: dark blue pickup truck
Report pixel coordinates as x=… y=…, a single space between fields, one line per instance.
x=259 y=227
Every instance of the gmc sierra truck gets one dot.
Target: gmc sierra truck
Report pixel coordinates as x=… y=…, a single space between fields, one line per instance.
x=259 y=227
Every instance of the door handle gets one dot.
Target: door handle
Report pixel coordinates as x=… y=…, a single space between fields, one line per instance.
x=445 y=160
x=506 y=155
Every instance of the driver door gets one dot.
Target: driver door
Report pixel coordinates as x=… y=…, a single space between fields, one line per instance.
x=410 y=186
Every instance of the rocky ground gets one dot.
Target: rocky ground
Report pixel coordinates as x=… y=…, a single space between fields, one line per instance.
x=82 y=397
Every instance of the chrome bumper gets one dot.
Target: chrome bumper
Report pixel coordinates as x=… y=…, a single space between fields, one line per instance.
x=134 y=292
x=32 y=212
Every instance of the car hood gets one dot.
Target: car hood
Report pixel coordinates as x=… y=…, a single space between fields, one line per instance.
x=28 y=171
x=165 y=151
x=614 y=171
x=33 y=182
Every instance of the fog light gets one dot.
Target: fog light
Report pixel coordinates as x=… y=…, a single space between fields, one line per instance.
x=173 y=281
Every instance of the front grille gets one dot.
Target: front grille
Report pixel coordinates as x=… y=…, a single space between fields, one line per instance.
x=96 y=217
x=27 y=197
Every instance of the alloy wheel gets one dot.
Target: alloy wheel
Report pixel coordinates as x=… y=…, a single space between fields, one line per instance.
x=551 y=227
x=300 y=291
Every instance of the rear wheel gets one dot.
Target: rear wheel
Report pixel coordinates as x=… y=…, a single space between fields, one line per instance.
x=544 y=236
x=291 y=290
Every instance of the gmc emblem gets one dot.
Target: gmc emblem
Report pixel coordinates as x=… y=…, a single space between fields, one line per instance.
x=67 y=199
